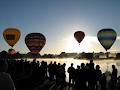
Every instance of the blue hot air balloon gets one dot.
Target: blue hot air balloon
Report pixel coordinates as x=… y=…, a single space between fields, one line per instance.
x=107 y=38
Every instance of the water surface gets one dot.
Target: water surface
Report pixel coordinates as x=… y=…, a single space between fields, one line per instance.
x=104 y=64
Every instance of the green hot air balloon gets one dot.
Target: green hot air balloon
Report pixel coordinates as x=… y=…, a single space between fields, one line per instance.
x=107 y=38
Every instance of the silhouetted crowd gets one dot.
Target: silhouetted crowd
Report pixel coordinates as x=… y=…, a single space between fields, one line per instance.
x=90 y=77
x=36 y=75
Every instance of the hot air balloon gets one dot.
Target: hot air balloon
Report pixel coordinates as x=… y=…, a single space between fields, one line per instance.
x=107 y=37
x=12 y=52
x=35 y=42
x=79 y=36
x=11 y=36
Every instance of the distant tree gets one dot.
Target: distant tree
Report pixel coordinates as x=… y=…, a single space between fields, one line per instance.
x=48 y=56
x=118 y=56
x=63 y=54
x=89 y=55
x=3 y=54
x=30 y=55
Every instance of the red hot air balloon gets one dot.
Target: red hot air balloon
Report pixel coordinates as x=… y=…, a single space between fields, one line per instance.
x=35 y=42
x=79 y=36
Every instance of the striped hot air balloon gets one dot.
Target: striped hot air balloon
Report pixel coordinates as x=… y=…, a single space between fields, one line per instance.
x=107 y=38
x=35 y=42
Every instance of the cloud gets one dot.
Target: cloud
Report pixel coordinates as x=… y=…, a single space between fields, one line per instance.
x=118 y=37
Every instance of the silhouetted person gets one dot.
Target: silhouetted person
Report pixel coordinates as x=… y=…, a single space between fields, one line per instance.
x=82 y=76
x=114 y=71
x=27 y=68
x=98 y=76
x=54 y=67
x=103 y=82
x=58 y=69
x=77 y=78
x=43 y=68
x=92 y=76
x=50 y=71
x=114 y=77
x=6 y=82
x=91 y=64
x=87 y=73
x=118 y=84
x=71 y=71
x=34 y=70
x=61 y=76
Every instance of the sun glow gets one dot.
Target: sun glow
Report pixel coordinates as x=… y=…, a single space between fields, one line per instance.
x=86 y=44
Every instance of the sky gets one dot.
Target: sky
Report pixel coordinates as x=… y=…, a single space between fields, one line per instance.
x=57 y=20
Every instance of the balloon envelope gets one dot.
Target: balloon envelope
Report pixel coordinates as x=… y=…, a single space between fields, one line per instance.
x=107 y=37
x=79 y=36
x=12 y=52
x=35 y=42
x=11 y=36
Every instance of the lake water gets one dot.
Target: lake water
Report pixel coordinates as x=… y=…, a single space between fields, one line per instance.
x=104 y=64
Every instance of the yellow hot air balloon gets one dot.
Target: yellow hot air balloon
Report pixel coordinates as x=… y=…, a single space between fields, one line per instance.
x=11 y=36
